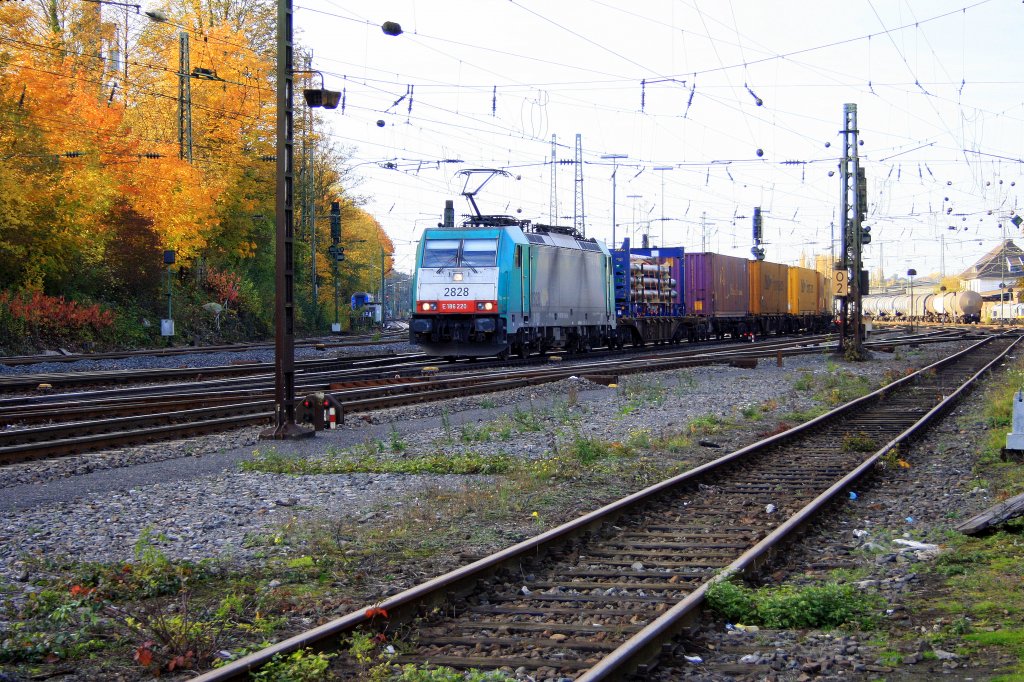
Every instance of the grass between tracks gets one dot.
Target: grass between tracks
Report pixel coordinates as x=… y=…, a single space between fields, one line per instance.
x=975 y=605
x=968 y=601
x=156 y=616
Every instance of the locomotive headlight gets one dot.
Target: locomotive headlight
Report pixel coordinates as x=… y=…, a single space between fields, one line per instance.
x=457 y=277
x=426 y=306
x=488 y=306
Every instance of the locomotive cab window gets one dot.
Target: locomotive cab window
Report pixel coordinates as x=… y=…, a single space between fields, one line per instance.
x=458 y=253
x=479 y=253
x=440 y=253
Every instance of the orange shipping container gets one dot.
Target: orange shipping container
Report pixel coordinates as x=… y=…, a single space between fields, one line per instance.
x=769 y=284
x=804 y=291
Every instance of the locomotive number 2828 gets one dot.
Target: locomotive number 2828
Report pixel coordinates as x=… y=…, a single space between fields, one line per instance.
x=456 y=291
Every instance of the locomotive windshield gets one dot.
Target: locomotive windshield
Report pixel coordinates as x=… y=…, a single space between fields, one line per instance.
x=454 y=253
x=479 y=252
x=440 y=253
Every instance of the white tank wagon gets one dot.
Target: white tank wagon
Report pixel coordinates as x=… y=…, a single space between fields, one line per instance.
x=958 y=306
x=950 y=306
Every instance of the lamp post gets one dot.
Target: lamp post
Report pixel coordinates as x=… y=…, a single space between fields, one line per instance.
x=167 y=326
x=663 y=169
x=383 y=289
x=615 y=169
x=634 y=197
x=284 y=304
x=910 y=273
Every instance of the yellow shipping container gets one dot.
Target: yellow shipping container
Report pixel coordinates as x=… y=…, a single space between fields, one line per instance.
x=804 y=291
x=825 y=292
x=769 y=286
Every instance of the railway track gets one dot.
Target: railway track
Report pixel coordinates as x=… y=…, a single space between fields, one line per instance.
x=333 y=342
x=598 y=597
x=138 y=415
x=123 y=377
x=56 y=425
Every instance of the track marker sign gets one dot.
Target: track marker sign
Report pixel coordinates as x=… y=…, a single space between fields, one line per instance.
x=841 y=283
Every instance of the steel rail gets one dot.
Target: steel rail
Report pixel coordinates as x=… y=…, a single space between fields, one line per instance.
x=359 y=340
x=198 y=412
x=645 y=644
x=9 y=407
x=25 y=382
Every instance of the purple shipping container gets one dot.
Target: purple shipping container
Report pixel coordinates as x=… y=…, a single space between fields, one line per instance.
x=716 y=285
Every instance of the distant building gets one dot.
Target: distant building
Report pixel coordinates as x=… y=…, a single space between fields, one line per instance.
x=1003 y=265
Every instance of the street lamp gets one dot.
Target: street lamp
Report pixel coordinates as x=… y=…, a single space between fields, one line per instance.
x=615 y=169
x=663 y=169
x=910 y=273
x=634 y=197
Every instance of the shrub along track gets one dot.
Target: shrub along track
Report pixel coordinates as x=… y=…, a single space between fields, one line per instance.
x=598 y=597
x=92 y=421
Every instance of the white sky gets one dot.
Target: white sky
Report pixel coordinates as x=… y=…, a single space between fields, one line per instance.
x=938 y=84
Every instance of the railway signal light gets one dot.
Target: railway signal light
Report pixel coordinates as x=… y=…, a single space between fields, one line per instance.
x=865 y=234
x=862 y=193
x=335 y=221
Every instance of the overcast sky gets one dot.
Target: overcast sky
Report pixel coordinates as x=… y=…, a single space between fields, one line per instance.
x=678 y=83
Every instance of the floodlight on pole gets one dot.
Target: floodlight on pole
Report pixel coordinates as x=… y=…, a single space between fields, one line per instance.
x=328 y=99
x=614 y=158
x=284 y=304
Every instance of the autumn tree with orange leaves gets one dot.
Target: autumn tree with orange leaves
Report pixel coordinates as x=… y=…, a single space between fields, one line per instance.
x=92 y=188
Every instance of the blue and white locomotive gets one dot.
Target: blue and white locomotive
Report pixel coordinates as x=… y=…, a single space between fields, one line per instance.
x=498 y=286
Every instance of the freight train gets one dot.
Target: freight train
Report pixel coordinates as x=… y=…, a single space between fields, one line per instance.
x=502 y=286
x=962 y=307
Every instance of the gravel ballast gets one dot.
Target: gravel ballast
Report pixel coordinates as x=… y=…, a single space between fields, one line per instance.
x=95 y=507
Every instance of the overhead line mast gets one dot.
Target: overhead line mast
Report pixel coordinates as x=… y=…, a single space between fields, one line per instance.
x=579 y=221
x=853 y=208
